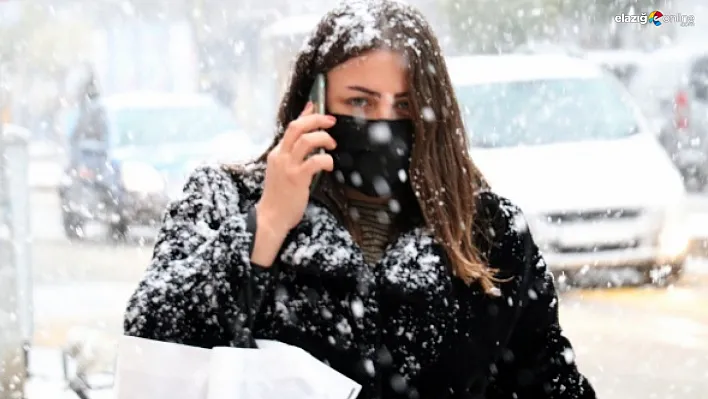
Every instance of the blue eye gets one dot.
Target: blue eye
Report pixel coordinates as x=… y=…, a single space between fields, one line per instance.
x=404 y=105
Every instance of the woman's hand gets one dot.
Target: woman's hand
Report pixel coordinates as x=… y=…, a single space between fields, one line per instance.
x=289 y=173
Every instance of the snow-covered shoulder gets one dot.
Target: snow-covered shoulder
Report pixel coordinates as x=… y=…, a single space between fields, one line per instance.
x=232 y=187
x=200 y=261
x=504 y=227
x=503 y=218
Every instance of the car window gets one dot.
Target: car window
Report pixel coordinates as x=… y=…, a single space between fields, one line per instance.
x=146 y=126
x=699 y=78
x=700 y=66
x=535 y=112
x=90 y=125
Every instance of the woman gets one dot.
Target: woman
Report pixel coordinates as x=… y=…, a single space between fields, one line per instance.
x=428 y=287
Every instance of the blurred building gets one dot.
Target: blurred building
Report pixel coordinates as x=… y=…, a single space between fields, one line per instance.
x=698 y=33
x=146 y=55
x=235 y=60
x=210 y=46
x=650 y=37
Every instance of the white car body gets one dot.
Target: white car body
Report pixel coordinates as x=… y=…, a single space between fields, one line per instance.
x=615 y=57
x=567 y=190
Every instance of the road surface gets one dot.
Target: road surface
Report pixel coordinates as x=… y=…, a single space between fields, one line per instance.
x=631 y=342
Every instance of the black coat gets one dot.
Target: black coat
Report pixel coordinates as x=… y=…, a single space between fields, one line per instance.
x=404 y=328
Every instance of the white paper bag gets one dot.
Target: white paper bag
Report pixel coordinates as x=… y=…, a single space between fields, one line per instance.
x=151 y=369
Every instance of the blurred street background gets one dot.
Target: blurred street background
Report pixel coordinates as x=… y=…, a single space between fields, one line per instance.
x=73 y=73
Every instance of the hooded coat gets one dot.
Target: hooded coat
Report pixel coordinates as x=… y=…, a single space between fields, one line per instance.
x=405 y=327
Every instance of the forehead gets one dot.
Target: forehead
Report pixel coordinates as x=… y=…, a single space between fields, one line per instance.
x=382 y=68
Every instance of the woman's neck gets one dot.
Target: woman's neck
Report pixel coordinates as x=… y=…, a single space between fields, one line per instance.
x=356 y=195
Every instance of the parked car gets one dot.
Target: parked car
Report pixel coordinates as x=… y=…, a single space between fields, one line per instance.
x=131 y=152
x=621 y=63
x=562 y=138
x=671 y=86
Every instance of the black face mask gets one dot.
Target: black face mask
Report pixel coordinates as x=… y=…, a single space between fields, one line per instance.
x=372 y=156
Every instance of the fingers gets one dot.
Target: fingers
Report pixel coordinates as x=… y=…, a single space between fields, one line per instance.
x=317 y=163
x=302 y=137
x=305 y=124
x=287 y=137
x=309 y=142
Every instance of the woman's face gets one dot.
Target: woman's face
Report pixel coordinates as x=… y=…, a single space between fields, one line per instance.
x=372 y=86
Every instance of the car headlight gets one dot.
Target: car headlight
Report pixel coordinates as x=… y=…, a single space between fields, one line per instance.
x=140 y=177
x=674 y=235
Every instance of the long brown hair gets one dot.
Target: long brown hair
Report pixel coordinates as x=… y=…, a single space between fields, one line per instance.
x=443 y=177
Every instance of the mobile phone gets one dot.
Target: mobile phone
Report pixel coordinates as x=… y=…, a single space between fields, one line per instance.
x=318 y=93
x=317 y=96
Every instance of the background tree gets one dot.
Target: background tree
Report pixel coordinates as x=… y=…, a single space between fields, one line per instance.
x=490 y=26
x=37 y=49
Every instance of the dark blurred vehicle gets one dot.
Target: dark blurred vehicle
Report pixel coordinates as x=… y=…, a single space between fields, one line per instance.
x=671 y=86
x=131 y=152
x=621 y=63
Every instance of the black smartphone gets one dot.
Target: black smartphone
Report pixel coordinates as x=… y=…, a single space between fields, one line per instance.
x=317 y=97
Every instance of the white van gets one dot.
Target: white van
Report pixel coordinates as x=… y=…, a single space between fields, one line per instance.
x=563 y=139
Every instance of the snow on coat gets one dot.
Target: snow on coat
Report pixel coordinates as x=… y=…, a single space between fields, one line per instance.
x=403 y=328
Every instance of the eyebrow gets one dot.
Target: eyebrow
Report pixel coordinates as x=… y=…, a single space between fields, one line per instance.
x=373 y=93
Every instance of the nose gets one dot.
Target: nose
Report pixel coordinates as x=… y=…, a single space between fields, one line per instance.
x=385 y=109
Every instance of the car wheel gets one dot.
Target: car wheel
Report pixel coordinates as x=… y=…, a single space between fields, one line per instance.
x=118 y=232
x=664 y=275
x=73 y=226
x=695 y=180
x=677 y=270
x=701 y=182
x=563 y=281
